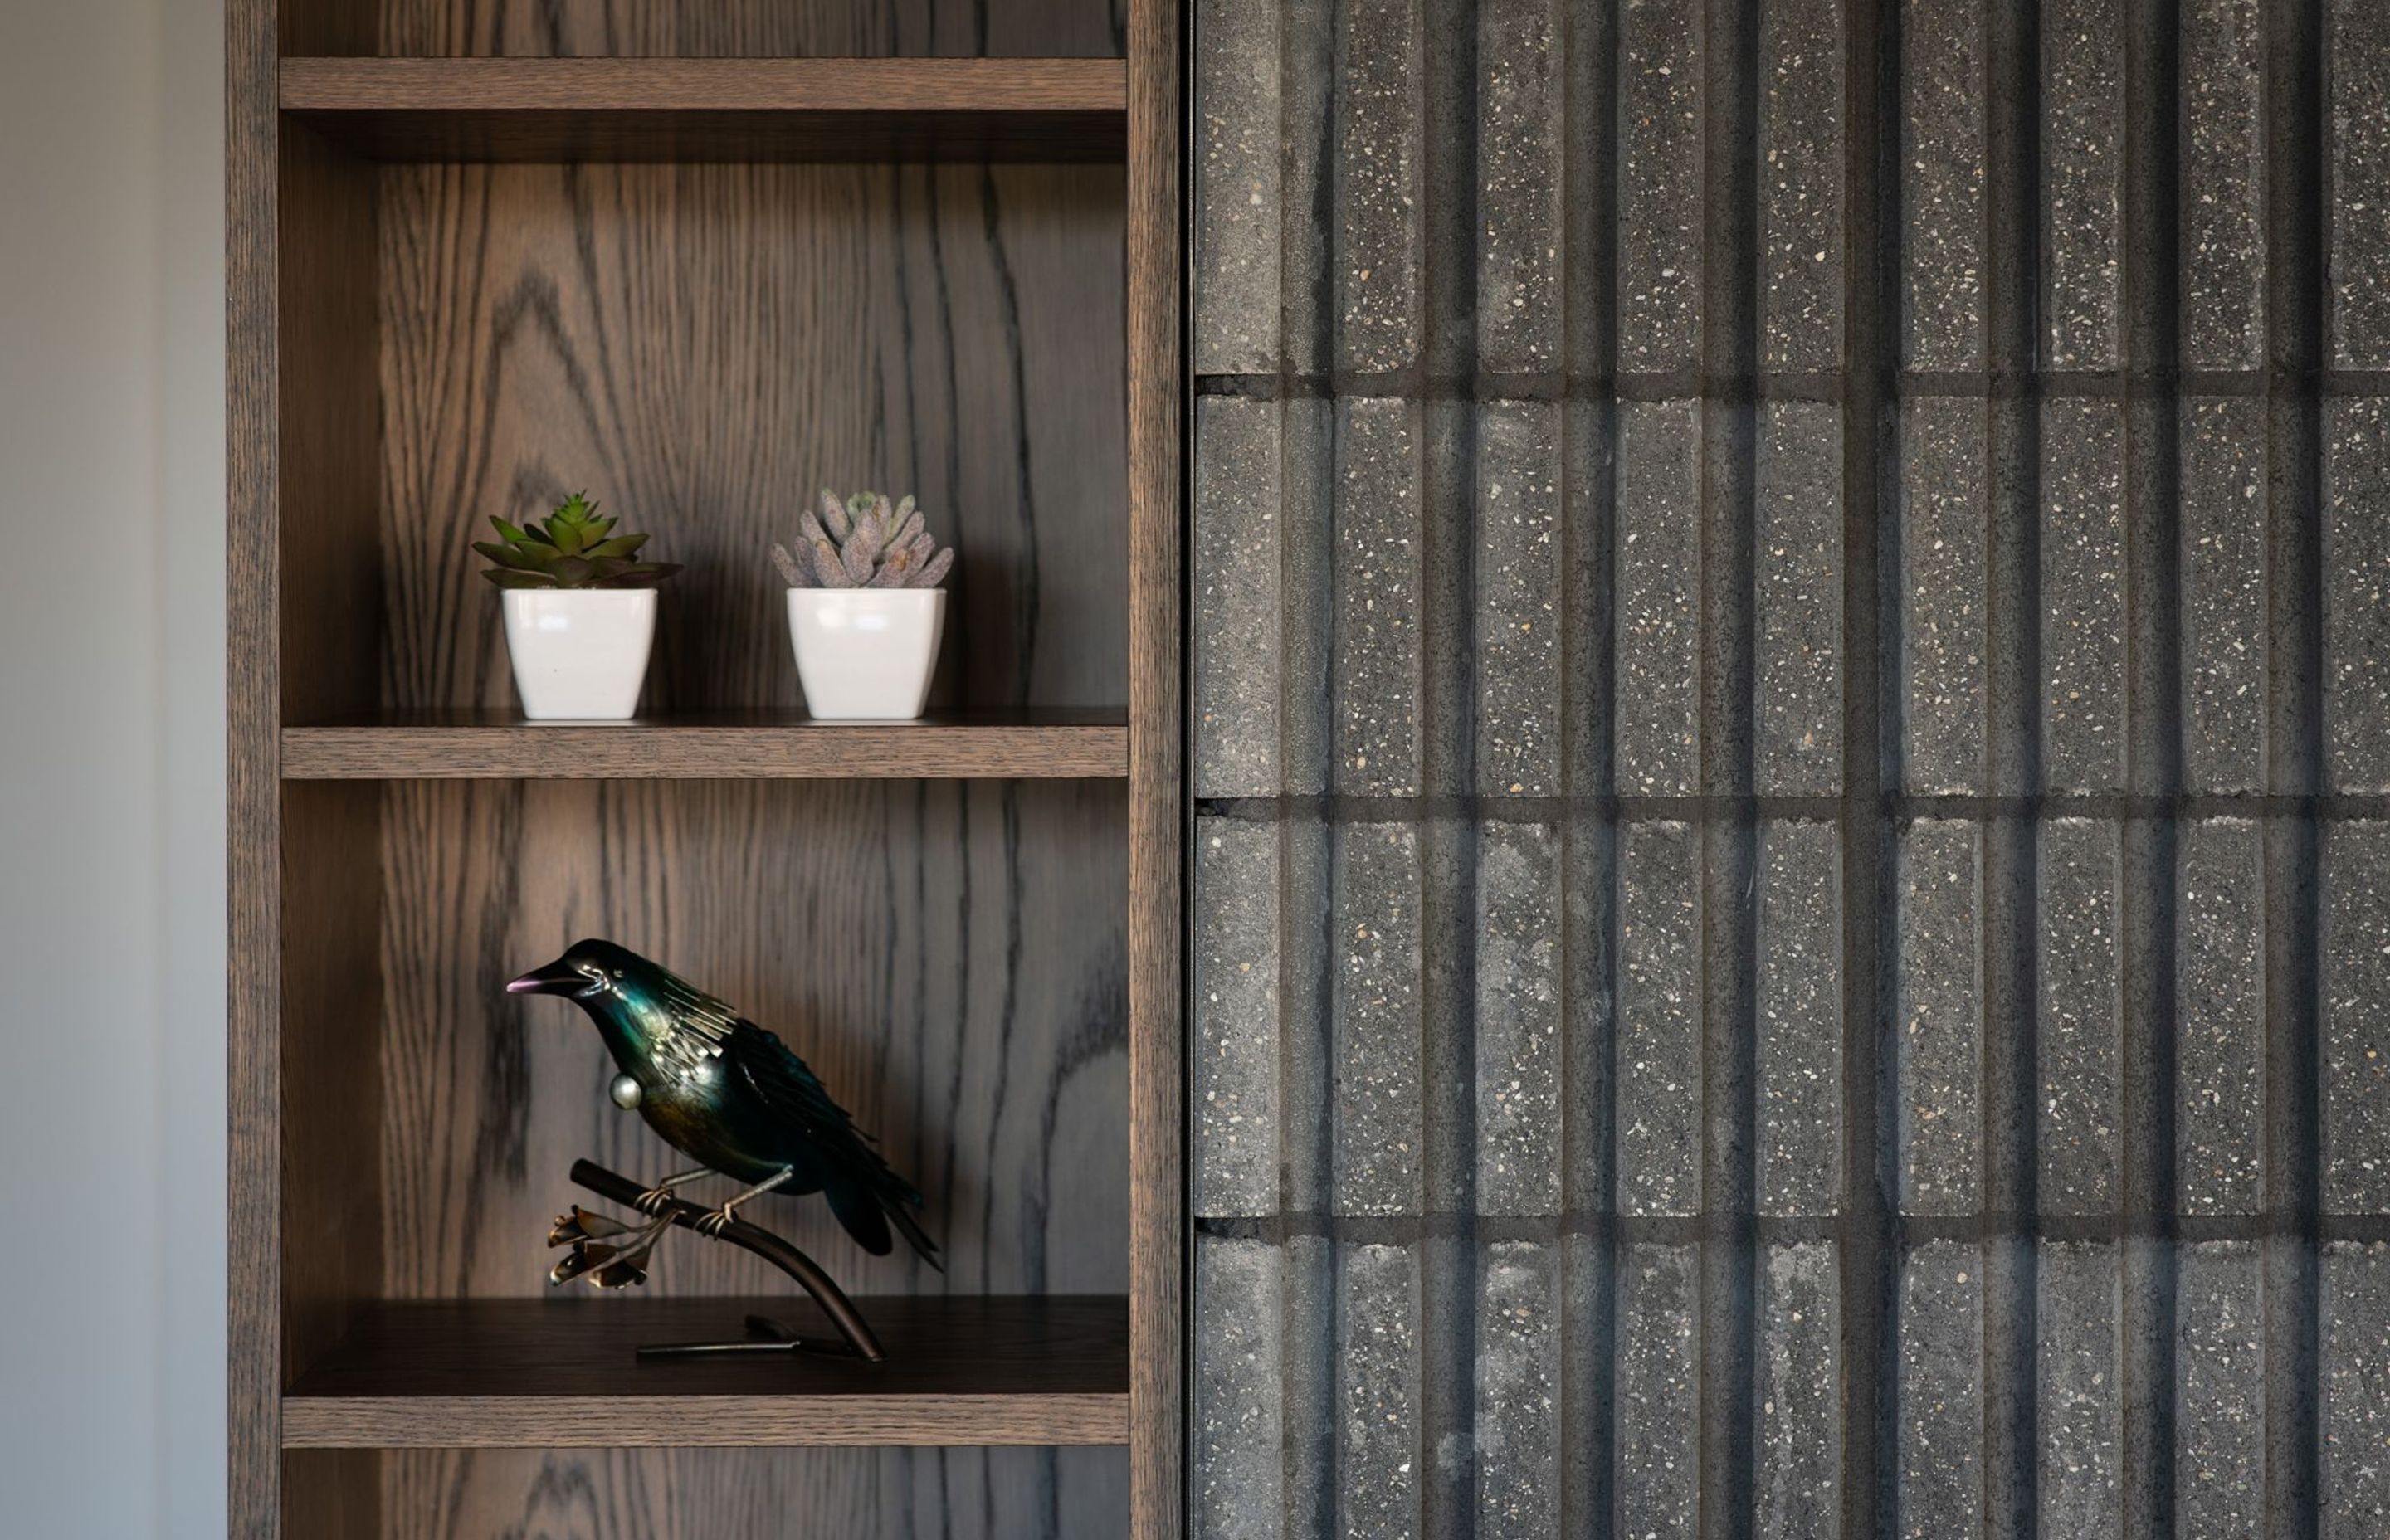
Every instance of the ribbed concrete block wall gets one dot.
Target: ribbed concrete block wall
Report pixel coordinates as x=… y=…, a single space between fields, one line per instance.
x=1792 y=722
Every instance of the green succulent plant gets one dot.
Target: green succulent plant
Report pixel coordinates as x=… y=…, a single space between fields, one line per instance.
x=571 y=548
x=864 y=544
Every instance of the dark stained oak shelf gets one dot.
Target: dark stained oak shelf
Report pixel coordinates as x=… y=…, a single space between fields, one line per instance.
x=563 y=1372
x=497 y=745
x=714 y=110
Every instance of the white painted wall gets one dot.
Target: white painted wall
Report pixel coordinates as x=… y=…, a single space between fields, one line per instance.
x=111 y=769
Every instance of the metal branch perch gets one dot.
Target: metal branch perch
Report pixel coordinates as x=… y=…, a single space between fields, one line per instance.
x=752 y=1237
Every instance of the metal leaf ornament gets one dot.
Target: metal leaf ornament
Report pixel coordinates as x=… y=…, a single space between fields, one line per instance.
x=863 y=543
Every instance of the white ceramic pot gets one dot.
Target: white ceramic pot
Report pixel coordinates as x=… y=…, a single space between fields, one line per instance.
x=580 y=653
x=865 y=653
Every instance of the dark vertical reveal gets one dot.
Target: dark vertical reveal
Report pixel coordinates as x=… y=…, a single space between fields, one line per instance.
x=1871 y=729
x=2153 y=759
x=2295 y=298
x=1448 y=545
x=2013 y=738
x=1728 y=832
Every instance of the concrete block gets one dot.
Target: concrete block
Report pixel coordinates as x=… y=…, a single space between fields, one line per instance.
x=2224 y=594
x=2080 y=1042
x=2358 y=139
x=2220 y=1408
x=1376 y=184
x=1239 y=199
x=1800 y=1019
x=1239 y=1485
x=1796 y=1455
x=1307 y=178
x=1518 y=1372
x=1235 y=1072
x=1659 y=181
x=1378 y=1392
x=1659 y=1391
x=1939 y=1436
x=1798 y=568
x=2080 y=1372
x=2357 y=590
x=1659 y=1053
x=2356 y=948
x=1659 y=587
x=2356 y=1390
x=1238 y=601
x=2082 y=595
x=1941 y=176
x=1520 y=183
x=1374 y=664
x=1942 y=612
x=1938 y=1047
x=1375 y=943
x=1519 y=1130
x=2083 y=166
x=1518 y=599
x=1800 y=184
x=2223 y=197
x=2220 y=1007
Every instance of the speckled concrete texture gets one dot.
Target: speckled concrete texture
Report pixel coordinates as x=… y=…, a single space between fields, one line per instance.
x=2357 y=593
x=2220 y=1004
x=1789 y=753
x=2356 y=1017
x=1800 y=1048
x=2080 y=1043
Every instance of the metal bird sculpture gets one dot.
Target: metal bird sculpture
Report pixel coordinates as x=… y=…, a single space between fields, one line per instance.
x=730 y=1095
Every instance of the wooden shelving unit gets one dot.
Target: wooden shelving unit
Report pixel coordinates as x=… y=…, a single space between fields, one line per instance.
x=701 y=261
x=727 y=109
x=482 y=745
x=507 y=1373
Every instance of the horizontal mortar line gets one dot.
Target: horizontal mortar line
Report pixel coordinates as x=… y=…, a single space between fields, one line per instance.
x=1496 y=808
x=1911 y=1230
x=1828 y=386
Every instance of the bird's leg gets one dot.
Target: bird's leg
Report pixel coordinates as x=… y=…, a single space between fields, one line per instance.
x=652 y=1201
x=714 y=1223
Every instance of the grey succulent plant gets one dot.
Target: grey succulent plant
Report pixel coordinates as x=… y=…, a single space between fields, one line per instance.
x=863 y=543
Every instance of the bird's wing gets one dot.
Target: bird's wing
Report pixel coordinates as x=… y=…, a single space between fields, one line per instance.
x=692 y=1029
x=796 y=1095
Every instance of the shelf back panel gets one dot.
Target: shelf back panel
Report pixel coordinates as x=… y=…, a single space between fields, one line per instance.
x=703 y=349
x=948 y=956
x=756 y=1493
x=751 y=29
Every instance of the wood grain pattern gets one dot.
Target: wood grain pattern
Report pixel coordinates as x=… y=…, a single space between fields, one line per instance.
x=703 y=348
x=1158 y=814
x=864 y=87
x=254 y=789
x=948 y=955
x=649 y=109
x=752 y=28
x=564 y=1372
x=482 y=745
x=752 y=1493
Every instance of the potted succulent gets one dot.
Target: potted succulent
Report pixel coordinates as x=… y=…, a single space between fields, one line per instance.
x=580 y=611
x=864 y=608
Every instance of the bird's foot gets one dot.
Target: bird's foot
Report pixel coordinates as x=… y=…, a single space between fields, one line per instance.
x=653 y=1201
x=714 y=1223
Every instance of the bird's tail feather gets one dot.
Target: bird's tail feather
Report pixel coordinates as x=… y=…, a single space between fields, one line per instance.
x=858 y=1210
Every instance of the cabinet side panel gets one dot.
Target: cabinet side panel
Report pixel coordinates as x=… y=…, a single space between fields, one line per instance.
x=1157 y=811
x=253 y=769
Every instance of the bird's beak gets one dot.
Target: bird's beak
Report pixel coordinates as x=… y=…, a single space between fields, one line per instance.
x=557 y=978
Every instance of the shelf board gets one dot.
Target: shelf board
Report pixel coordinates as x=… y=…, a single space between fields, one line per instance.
x=562 y=1372
x=499 y=745
x=716 y=109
